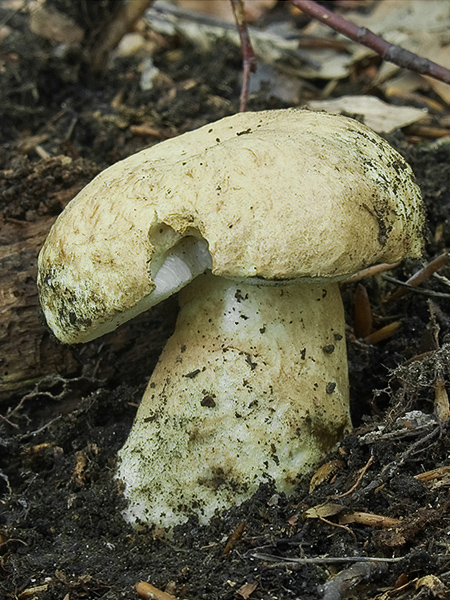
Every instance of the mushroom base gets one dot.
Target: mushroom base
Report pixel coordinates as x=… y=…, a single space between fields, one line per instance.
x=252 y=387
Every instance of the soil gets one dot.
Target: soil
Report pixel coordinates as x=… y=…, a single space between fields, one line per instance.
x=61 y=531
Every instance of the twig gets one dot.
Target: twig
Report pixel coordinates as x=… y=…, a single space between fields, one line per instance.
x=41 y=429
x=248 y=56
x=390 y=469
x=340 y=526
x=371 y=272
x=416 y=290
x=323 y=560
x=390 y=52
x=397 y=434
x=362 y=472
x=9 y=422
x=422 y=275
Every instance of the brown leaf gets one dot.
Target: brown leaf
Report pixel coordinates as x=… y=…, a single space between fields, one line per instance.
x=246 y=590
x=434 y=585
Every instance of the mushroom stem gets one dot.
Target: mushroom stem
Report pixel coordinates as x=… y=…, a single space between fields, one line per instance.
x=251 y=387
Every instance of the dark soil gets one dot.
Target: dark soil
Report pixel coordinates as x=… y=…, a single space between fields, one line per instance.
x=61 y=531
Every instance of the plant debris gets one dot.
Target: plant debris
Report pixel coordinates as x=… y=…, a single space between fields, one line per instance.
x=382 y=531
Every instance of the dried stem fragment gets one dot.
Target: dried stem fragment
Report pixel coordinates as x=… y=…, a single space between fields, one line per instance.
x=362 y=472
x=369 y=519
x=434 y=474
x=248 y=56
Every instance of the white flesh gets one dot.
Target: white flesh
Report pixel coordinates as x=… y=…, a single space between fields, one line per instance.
x=251 y=387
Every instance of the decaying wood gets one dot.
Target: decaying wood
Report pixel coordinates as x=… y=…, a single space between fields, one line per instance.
x=28 y=350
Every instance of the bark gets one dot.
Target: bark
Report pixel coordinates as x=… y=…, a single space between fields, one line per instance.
x=29 y=351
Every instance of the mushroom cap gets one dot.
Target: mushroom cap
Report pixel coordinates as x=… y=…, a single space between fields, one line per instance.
x=274 y=196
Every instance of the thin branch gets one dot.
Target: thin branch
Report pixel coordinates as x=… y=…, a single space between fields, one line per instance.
x=128 y=12
x=390 y=52
x=323 y=560
x=416 y=290
x=362 y=472
x=248 y=56
x=421 y=276
x=9 y=422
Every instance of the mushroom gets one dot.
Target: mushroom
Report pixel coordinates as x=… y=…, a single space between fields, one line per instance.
x=262 y=214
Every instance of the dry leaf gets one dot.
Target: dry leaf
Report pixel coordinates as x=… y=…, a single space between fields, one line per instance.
x=246 y=590
x=380 y=116
x=323 y=511
x=434 y=585
x=420 y=27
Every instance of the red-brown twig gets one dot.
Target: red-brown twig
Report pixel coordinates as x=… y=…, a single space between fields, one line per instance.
x=390 y=52
x=248 y=56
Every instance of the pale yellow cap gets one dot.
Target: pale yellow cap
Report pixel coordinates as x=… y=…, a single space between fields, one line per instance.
x=276 y=195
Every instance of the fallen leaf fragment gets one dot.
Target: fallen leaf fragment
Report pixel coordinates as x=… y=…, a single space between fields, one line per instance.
x=434 y=585
x=441 y=404
x=427 y=131
x=247 y=589
x=323 y=511
x=32 y=591
x=378 y=115
x=384 y=333
x=55 y=26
